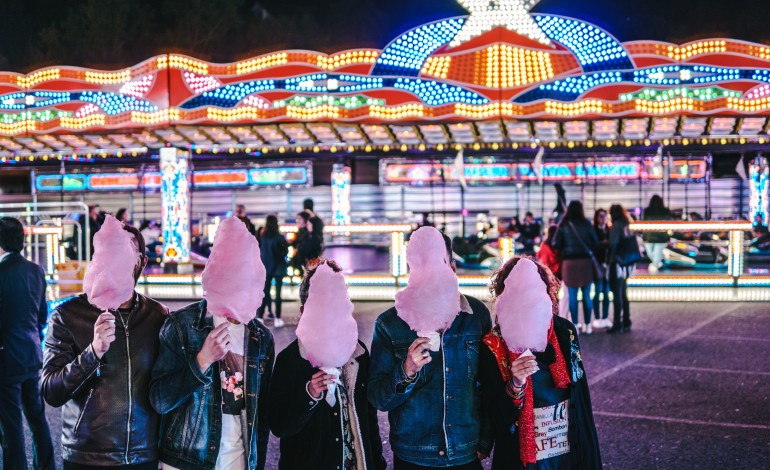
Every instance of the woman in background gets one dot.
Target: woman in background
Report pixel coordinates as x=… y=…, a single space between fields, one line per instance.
x=273 y=250
x=602 y=289
x=619 y=274
x=655 y=242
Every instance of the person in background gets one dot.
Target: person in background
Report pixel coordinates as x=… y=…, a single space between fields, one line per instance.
x=619 y=274
x=307 y=245
x=308 y=206
x=577 y=242
x=532 y=376
x=94 y=224
x=602 y=286
x=561 y=203
x=273 y=249
x=318 y=403
x=99 y=354
x=530 y=232
x=123 y=216
x=240 y=212
x=655 y=242
x=23 y=315
x=547 y=255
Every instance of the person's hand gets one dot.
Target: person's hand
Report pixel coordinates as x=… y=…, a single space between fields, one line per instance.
x=522 y=368
x=319 y=383
x=215 y=347
x=417 y=356
x=104 y=334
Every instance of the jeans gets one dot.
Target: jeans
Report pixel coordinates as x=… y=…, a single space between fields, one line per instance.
x=573 y=303
x=399 y=464
x=267 y=301
x=621 y=306
x=602 y=299
x=16 y=398
x=655 y=253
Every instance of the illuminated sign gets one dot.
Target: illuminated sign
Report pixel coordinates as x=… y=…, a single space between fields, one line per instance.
x=341 y=181
x=281 y=176
x=759 y=192
x=54 y=183
x=175 y=205
x=220 y=178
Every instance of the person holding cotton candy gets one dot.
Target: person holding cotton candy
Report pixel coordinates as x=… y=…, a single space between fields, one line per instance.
x=425 y=357
x=532 y=376
x=318 y=402
x=99 y=354
x=212 y=375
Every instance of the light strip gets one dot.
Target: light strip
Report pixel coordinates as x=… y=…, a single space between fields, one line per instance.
x=690 y=226
x=363 y=228
x=43 y=230
x=680 y=281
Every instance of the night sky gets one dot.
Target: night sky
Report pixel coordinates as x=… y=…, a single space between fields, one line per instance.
x=28 y=28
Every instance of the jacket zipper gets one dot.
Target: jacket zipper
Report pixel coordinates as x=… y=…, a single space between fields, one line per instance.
x=443 y=372
x=83 y=411
x=130 y=389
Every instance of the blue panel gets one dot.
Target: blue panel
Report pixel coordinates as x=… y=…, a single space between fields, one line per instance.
x=406 y=54
x=595 y=49
x=435 y=93
x=113 y=103
x=230 y=95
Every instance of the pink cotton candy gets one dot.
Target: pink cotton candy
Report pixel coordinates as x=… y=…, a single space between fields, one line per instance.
x=109 y=280
x=234 y=278
x=431 y=301
x=524 y=310
x=327 y=329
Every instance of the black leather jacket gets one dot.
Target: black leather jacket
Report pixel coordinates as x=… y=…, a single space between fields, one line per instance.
x=568 y=239
x=107 y=419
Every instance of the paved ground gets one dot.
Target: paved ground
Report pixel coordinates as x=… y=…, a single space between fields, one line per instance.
x=688 y=388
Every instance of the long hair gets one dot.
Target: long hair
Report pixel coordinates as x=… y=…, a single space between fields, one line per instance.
x=656 y=204
x=575 y=212
x=618 y=213
x=596 y=216
x=552 y=284
x=550 y=233
x=271 y=227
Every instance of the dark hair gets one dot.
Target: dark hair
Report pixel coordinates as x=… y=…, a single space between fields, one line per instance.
x=304 y=216
x=550 y=233
x=310 y=269
x=529 y=214
x=656 y=204
x=575 y=212
x=271 y=227
x=596 y=216
x=448 y=246
x=120 y=213
x=11 y=234
x=141 y=245
x=308 y=204
x=618 y=213
x=552 y=284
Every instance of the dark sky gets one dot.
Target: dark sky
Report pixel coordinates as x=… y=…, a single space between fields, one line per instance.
x=31 y=29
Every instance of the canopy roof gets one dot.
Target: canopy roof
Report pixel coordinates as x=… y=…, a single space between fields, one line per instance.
x=497 y=78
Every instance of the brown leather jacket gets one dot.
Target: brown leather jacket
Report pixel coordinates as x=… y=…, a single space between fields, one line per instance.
x=107 y=416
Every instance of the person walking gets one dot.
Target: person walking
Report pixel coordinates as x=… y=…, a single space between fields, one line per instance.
x=532 y=376
x=577 y=242
x=23 y=315
x=212 y=376
x=318 y=403
x=655 y=242
x=273 y=249
x=601 y=301
x=623 y=253
x=99 y=354
x=424 y=366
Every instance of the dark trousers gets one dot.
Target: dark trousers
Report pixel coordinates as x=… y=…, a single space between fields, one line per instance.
x=620 y=305
x=15 y=399
x=602 y=298
x=139 y=466
x=268 y=300
x=399 y=464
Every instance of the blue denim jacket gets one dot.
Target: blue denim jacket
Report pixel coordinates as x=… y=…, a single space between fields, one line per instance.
x=437 y=420
x=191 y=402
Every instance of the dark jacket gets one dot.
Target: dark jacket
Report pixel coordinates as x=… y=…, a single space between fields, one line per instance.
x=437 y=421
x=307 y=246
x=584 y=443
x=310 y=432
x=23 y=314
x=568 y=239
x=603 y=235
x=249 y=225
x=618 y=232
x=107 y=416
x=653 y=215
x=273 y=251
x=191 y=401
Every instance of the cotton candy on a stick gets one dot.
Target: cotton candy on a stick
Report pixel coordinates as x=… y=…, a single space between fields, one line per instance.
x=524 y=310
x=109 y=280
x=431 y=300
x=327 y=330
x=234 y=278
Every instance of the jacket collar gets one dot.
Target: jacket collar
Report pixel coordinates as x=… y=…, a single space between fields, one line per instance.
x=8 y=255
x=465 y=306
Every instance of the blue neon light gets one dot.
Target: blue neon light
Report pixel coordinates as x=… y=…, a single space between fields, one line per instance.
x=406 y=55
x=595 y=49
x=435 y=93
x=229 y=95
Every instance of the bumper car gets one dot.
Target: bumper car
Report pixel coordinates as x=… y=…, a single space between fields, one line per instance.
x=698 y=255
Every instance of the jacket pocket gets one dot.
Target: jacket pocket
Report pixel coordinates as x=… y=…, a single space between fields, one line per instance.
x=83 y=411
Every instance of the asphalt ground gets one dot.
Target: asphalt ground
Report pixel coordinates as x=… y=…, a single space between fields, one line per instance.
x=688 y=388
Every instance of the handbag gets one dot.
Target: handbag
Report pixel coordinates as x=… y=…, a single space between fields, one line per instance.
x=628 y=252
x=599 y=271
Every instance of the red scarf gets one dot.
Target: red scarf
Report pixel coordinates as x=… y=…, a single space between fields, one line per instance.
x=526 y=423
